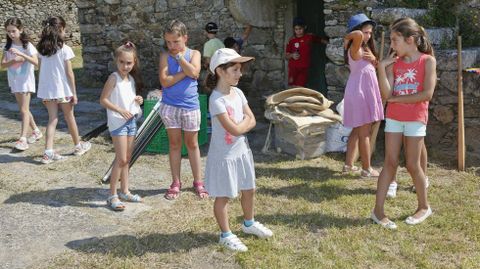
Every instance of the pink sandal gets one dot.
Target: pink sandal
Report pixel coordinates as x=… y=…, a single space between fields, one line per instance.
x=200 y=189
x=174 y=191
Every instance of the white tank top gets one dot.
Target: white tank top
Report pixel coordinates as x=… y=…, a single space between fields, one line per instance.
x=123 y=95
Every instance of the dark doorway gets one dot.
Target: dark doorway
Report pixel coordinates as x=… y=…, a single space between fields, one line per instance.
x=312 y=12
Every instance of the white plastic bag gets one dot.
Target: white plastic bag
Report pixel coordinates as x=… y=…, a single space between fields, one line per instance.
x=336 y=137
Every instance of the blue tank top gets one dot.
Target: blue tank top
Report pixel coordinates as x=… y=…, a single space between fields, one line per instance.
x=183 y=94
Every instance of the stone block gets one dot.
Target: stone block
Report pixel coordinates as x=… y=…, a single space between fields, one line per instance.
x=90 y=28
x=334 y=51
x=336 y=31
x=336 y=75
x=447 y=59
x=388 y=15
x=444 y=114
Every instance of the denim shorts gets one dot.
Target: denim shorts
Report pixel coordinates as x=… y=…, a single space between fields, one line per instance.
x=408 y=128
x=129 y=128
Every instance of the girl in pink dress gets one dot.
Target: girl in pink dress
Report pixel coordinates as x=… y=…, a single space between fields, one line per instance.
x=362 y=100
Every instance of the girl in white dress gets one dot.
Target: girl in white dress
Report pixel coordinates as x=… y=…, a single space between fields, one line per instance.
x=56 y=86
x=20 y=57
x=230 y=168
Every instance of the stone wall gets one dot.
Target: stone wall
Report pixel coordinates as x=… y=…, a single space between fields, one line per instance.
x=105 y=24
x=33 y=12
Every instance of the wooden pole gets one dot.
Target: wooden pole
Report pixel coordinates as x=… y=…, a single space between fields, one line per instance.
x=376 y=125
x=461 y=126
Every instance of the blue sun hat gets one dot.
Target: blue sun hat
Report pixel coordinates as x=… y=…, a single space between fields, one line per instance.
x=358 y=20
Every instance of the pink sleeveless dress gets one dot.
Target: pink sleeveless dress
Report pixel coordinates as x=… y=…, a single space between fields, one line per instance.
x=362 y=100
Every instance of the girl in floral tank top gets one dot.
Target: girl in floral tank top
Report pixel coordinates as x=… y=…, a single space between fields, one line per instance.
x=407 y=80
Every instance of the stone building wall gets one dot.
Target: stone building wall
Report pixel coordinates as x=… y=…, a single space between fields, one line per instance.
x=33 y=12
x=105 y=24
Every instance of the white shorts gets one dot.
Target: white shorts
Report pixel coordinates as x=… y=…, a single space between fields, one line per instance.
x=407 y=128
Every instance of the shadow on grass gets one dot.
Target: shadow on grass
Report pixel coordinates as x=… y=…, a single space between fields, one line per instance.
x=128 y=245
x=314 y=194
x=312 y=221
x=304 y=173
x=78 y=197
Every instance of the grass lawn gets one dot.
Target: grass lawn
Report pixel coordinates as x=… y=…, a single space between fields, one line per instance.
x=320 y=220
x=319 y=217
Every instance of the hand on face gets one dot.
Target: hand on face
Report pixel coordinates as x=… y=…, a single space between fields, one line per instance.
x=390 y=59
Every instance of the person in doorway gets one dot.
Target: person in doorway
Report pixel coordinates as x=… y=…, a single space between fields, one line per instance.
x=298 y=52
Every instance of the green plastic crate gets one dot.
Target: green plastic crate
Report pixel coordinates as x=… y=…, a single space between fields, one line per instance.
x=159 y=143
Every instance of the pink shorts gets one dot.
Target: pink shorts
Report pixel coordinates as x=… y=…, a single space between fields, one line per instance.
x=179 y=118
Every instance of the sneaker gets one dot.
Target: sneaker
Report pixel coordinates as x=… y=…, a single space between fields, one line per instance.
x=82 y=148
x=392 y=190
x=233 y=243
x=47 y=158
x=257 y=229
x=427 y=185
x=36 y=135
x=21 y=144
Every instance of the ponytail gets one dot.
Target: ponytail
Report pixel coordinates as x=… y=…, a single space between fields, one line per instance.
x=408 y=27
x=211 y=82
x=423 y=43
x=51 y=39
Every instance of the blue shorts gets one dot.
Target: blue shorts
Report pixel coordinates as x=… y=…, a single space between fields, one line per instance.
x=129 y=128
x=407 y=128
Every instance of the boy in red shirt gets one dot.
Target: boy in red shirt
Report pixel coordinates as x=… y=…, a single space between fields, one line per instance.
x=298 y=53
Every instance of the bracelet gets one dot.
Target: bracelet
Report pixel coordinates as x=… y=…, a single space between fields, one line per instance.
x=179 y=57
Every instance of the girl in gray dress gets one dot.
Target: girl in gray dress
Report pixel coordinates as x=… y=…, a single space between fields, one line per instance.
x=230 y=168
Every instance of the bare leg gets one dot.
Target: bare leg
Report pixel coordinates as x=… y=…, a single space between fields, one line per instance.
x=126 y=168
x=220 y=210
x=191 y=141
x=248 y=203
x=52 y=108
x=120 y=163
x=393 y=143
x=69 y=116
x=23 y=101
x=364 y=133
x=174 y=155
x=352 y=146
x=414 y=146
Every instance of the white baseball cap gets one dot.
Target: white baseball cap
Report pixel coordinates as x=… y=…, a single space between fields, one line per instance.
x=225 y=55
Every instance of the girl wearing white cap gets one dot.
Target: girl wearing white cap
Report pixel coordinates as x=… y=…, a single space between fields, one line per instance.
x=230 y=167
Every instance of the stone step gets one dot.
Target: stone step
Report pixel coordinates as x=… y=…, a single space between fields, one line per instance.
x=386 y=16
x=447 y=59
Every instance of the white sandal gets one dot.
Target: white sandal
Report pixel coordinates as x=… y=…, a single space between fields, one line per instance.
x=388 y=225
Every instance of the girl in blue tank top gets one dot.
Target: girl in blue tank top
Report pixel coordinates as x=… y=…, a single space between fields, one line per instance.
x=180 y=107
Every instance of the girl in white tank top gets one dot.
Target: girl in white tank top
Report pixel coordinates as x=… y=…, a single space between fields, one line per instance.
x=119 y=97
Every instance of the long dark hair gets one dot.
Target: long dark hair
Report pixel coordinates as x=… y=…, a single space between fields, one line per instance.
x=370 y=43
x=408 y=27
x=51 y=40
x=23 y=36
x=128 y=46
